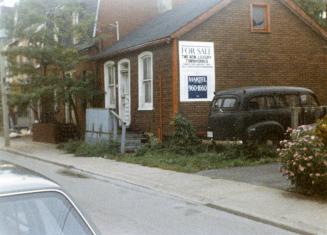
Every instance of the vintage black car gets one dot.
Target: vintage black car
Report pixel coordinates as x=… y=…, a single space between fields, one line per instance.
x=258 y=113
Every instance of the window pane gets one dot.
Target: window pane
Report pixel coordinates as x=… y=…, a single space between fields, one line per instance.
x=292 y=100
x=308 y=100
x=257 y=103
x=40 y=214
x=147 y=92
x=281 y=101
x=111 y=73
x=258 y=17
x=112 y=95
x=218 y=103
x=229 y=103
x=270 y=102
x=164 y=5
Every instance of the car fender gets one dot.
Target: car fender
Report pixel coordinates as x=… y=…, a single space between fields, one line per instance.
x=260 y=129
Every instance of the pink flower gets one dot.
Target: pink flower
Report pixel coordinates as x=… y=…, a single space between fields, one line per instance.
x=301 y=168
x=309 y=164
x=318 y=175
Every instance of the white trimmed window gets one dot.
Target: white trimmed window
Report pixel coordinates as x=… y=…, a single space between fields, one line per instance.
x=164 y=5
x=110 y=84
x=145 y=61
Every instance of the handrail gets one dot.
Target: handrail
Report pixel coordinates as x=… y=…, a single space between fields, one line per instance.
x=123 y=134
x=117 y=116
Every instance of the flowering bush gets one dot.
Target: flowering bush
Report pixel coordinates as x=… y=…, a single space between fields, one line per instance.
x=321 y=130
x=304 y=161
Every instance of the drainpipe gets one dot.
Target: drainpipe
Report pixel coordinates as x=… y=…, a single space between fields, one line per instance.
x=174 y=77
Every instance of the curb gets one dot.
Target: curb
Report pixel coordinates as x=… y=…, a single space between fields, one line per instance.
x=240 y=213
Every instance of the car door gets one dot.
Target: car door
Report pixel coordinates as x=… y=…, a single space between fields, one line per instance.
x=224 y=116
x=310 y=109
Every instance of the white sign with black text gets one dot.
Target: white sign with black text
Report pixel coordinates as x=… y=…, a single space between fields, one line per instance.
x=197 y=71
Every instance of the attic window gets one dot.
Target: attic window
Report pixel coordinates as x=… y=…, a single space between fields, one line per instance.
x=260 y=18
x=164 y=5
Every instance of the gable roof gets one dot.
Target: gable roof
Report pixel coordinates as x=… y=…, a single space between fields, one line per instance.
x=184 y=18
x=162 y=26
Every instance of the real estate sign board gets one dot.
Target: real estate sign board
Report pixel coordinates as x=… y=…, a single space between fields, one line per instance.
x=197 y=71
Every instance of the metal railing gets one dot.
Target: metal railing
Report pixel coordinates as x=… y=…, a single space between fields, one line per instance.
x=306 y=115
x=116 y=120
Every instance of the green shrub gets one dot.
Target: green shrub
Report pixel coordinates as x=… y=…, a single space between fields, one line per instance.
x=321 y=130
x=82 y=149
x=304 y=161
x=184 y=139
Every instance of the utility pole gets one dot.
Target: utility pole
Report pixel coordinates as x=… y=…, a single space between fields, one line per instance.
x=4 y=98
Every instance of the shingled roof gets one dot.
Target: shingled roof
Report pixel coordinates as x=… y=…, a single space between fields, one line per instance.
x=162 y=26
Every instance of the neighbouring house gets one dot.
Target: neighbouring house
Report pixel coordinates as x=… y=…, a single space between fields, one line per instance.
x=175 y=61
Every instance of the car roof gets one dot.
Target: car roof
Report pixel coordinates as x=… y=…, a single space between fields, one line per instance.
x=16 y=179
x=261 y=90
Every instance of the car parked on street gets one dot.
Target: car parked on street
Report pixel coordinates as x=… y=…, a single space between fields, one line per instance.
x=31 y=204
x=261 y=114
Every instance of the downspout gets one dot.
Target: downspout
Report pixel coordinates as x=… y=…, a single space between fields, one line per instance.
x=174 y=84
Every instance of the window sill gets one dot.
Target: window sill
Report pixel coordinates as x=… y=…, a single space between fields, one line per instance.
x=145 y=108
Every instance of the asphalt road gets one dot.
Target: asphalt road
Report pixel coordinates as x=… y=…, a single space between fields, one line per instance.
x=265 y=175
x=120 y=208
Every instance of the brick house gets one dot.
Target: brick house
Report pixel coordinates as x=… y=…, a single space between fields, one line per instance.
x=110 y=14
x=256 y=42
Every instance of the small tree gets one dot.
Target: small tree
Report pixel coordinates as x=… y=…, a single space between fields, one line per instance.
x=46 y=34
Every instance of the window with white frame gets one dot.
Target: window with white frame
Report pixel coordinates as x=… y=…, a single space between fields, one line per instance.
x=164 y=5
x=110 y=84
x=145 y=62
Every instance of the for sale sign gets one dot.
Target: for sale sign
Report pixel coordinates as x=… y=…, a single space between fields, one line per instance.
x=197 y=71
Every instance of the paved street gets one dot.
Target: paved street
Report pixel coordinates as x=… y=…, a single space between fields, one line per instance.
x=120 y=208
x=266 y=175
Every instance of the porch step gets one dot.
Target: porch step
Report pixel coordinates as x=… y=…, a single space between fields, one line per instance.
x=134 y=141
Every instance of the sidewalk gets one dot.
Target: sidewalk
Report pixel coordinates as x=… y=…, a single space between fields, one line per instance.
x=276 y=207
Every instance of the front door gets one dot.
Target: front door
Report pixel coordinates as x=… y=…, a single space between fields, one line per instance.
x=124 y=91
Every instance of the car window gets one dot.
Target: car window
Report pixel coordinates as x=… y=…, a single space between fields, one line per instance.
x=281 y=101
x=270 y=102
x=225 y=103
x=292 y=100
x=308 y=100
x=257 y=103
x=217 y=104
x=40 y=214
x=229 y=103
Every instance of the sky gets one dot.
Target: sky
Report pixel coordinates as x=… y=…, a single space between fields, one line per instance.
x=8 y=3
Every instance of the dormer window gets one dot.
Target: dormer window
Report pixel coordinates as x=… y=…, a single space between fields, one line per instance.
x=260 y=18
x=164 y=5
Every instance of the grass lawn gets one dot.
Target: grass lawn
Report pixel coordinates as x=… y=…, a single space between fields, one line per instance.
x=190 y=164
x=223 y=156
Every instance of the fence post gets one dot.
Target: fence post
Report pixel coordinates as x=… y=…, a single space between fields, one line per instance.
x=295 y=117
x=123 y=139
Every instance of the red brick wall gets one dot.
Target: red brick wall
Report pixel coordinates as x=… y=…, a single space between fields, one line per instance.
x=149 y=121
x=292 y=54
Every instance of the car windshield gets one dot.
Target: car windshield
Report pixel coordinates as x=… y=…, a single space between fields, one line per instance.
x=48 y=213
